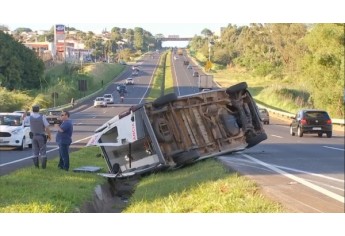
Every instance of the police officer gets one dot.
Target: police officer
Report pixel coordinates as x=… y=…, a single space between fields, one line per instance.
x=40 y=134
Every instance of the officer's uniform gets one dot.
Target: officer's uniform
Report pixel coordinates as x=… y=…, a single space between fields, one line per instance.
x=38 y=124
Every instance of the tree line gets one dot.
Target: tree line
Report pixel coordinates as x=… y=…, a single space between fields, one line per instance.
x=309 y=56
x=20 y=68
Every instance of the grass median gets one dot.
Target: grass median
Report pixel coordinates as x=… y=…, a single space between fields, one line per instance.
x=206 y=186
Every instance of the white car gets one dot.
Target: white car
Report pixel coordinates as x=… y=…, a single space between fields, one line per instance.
x=109 y=98
x=129 y=81
x=100 y=102
x=13 y=131
x=135 y=73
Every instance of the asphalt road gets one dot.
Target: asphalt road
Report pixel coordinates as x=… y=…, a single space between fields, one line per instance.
x=304 y=174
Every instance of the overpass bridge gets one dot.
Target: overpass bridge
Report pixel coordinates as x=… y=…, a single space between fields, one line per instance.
x=174 y=39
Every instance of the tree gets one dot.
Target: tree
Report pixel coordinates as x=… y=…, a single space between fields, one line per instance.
x=20 y=68
x=206 y=32
x=138 y=38
x=323 y=66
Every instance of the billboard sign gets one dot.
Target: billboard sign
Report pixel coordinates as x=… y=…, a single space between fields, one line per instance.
x=59 y=35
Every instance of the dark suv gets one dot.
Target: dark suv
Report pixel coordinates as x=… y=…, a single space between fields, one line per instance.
x=311 y=121
x=53 y=117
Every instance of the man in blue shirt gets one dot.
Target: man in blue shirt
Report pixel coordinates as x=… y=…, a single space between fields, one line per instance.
x=64 y=139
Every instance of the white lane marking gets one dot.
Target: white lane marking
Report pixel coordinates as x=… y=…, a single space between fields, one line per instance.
x=297 y=179
x=286 y=168
x=276 y=136
x=340 y=149
x=310 y=173
x=148 y=86
x=29 y=157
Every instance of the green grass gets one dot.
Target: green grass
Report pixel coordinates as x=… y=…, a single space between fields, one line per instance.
x=31 y=190
x=205 y=187
x=64 y=81
x=157 y=88
x=272 y=93
x=168 y=81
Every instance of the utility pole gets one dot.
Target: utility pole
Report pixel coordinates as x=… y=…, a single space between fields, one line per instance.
x=210 y=44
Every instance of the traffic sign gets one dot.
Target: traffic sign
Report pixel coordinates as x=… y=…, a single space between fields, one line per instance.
x=208 y=65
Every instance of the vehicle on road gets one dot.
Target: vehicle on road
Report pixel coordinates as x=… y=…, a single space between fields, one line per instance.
x=135 y=73
x=264 y=115
x=109 y=98
x=22 y=112
x=100 y=102
x=186 y=62
x=121 y=88
x=205 y=82
x=172 y=131
x=129 y=81
x=53 y=117
x=195 y=74
x=311 y=121
x=13 y=131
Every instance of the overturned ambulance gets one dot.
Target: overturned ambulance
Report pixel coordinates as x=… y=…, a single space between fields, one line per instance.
x=173 y=131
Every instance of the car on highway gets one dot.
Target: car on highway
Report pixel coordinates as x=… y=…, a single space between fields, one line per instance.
x=100 y=102
x=172 y=131
x=109 y=98
x=53 y=117
x=129 y=81
x=135 y=72
x=311 y=121
x=13 y=131
x=195 y=74
x=22 y=112
x=264 y=115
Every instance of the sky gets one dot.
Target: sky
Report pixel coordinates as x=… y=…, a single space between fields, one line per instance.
x=181 y=29
x=177 y=17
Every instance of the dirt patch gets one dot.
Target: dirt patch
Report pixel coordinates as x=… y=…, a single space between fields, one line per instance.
x=111 y=197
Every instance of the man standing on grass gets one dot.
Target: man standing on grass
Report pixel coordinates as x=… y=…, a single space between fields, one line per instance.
x=40 y=133
x=64 y=139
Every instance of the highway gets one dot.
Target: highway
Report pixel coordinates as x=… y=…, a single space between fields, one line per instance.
x=304 y=174
x=86 y=118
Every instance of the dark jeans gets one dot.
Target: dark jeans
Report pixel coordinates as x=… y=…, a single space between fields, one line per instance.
x=64 y=156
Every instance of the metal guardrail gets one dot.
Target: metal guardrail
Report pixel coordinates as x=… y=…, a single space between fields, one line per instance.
x=290 y=115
